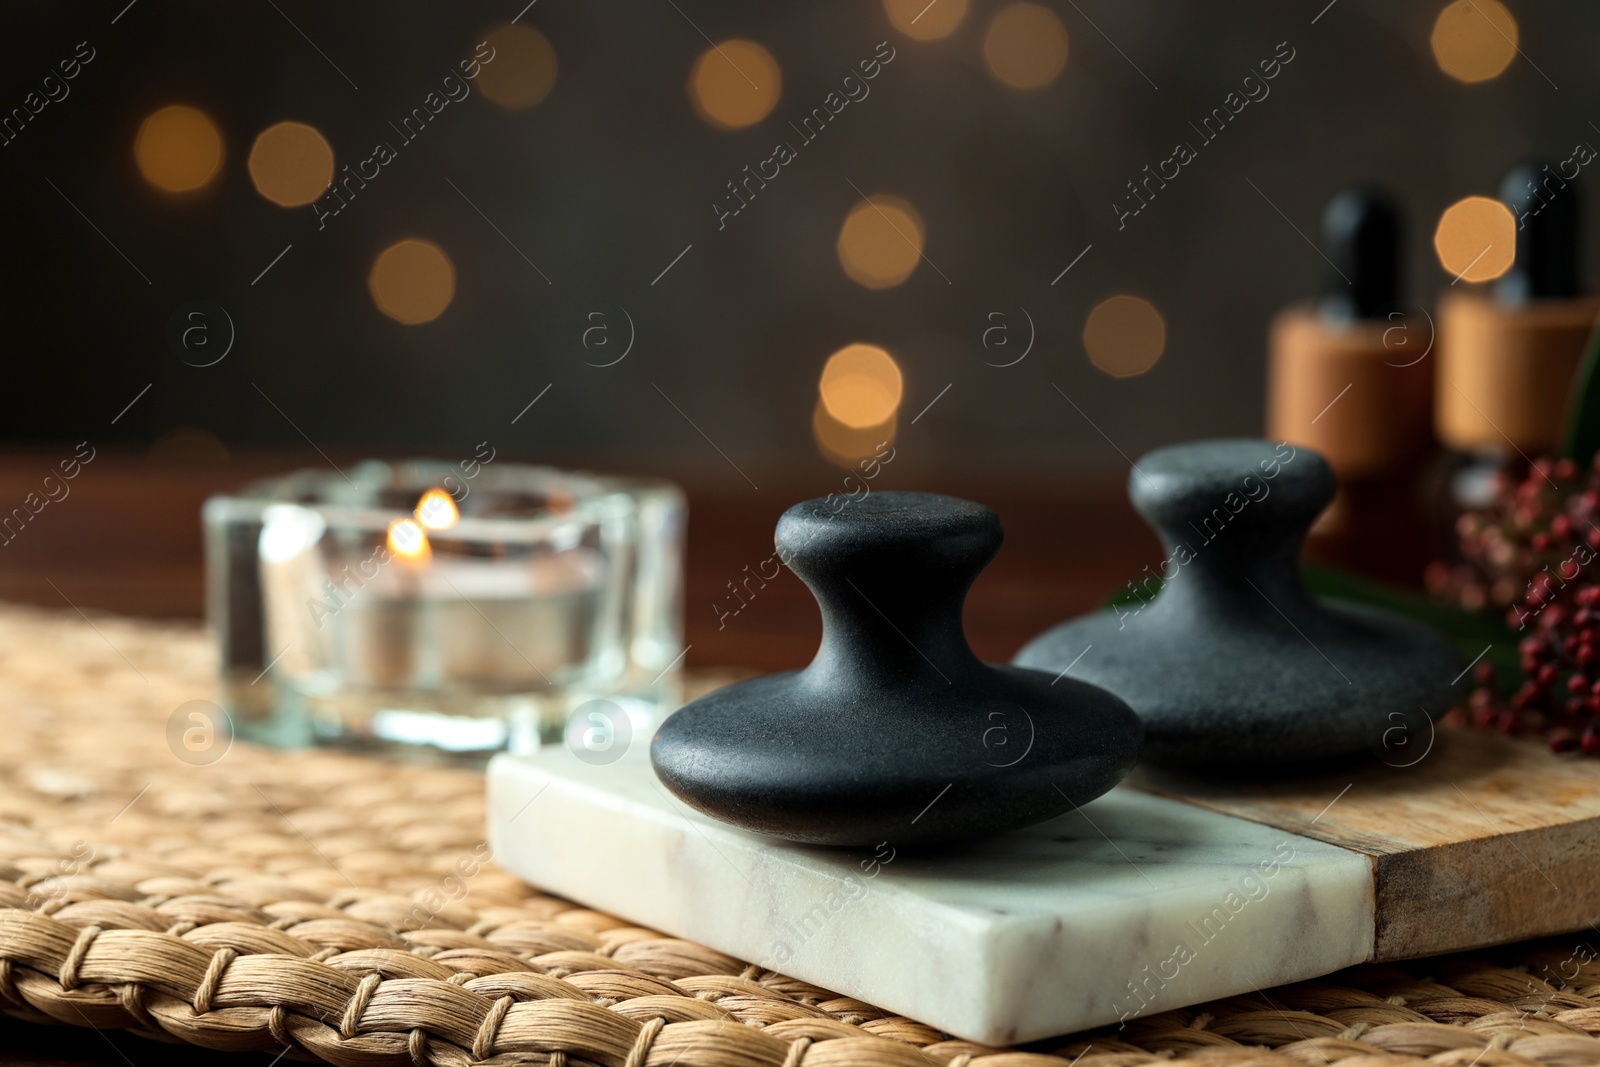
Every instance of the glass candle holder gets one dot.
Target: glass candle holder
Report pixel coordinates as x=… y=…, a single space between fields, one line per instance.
x=411 y=608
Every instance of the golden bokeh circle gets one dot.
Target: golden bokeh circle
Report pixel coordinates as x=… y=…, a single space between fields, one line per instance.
x=881 y=242
x=178 y=148
x=1474 y=40
x=409 y=541
x=412 y=281
x=848 y=445
x=291 y=164
x=861 y=386
x=523 y=70
x=925 y=20
x=1476 y=239
x=1124 y=336
x=734 y=84
x=1026 y=46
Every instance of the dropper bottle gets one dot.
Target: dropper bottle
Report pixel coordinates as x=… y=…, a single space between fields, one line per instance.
x=1507 y=358
x=1350 y=375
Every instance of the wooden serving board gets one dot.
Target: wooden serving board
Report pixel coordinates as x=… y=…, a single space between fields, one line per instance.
x=1481 y=841
x=1163 y=893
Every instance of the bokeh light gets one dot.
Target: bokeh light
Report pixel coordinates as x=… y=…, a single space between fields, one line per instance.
x=1026 y=46
x=881 y=242
x=848 y=445
x=409 y=541
x=1476 y=239
x=412 y=281
x=926 y=20
x=523 y=70
x=291 y=164
x=178 y=149
x=1474 y=40
x=437 y=510
x=1124 y=336
x=861 y=386
x=735 y=84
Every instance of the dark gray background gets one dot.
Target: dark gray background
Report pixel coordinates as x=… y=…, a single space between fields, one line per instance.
x=613 y=175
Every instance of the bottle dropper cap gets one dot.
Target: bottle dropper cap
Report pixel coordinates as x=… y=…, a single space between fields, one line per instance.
x=1361 y=238
x=1507 y=360
x=1545 y=206
x=1356 y=340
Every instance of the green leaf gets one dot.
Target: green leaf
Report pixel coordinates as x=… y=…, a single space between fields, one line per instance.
x=1481 y=637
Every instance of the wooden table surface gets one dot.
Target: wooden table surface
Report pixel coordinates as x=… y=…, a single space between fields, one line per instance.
x=126 y=539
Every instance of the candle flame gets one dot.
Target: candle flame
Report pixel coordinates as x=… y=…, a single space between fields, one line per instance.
x=437 y=510
x=409 y=541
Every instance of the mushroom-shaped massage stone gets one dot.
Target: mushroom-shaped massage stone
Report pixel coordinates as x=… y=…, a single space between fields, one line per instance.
x=1234 y=663
x=896 y=731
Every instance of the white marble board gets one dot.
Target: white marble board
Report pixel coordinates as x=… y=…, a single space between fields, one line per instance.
x=1136 y=904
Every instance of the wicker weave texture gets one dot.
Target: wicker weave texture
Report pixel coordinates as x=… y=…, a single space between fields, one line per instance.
x=337 y=908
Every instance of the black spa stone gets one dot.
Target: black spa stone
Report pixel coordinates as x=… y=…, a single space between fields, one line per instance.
x=896 y=732
x=1234 y=664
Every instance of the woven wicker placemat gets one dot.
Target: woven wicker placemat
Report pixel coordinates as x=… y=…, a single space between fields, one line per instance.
x=335 y=907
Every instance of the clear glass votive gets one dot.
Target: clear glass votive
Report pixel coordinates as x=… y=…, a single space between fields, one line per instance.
x=417 y=609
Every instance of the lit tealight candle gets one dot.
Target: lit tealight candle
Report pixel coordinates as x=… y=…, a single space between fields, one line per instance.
x=437 y=510
x=408 y=541
x=435 y=618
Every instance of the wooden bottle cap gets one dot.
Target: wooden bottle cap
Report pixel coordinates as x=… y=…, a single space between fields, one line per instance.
x=1506 y=363
x=1506 y=370
x=1350 y=377
x=1355 y=391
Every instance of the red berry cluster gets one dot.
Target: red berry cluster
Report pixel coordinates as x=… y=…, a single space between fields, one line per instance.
x=1534 y=553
